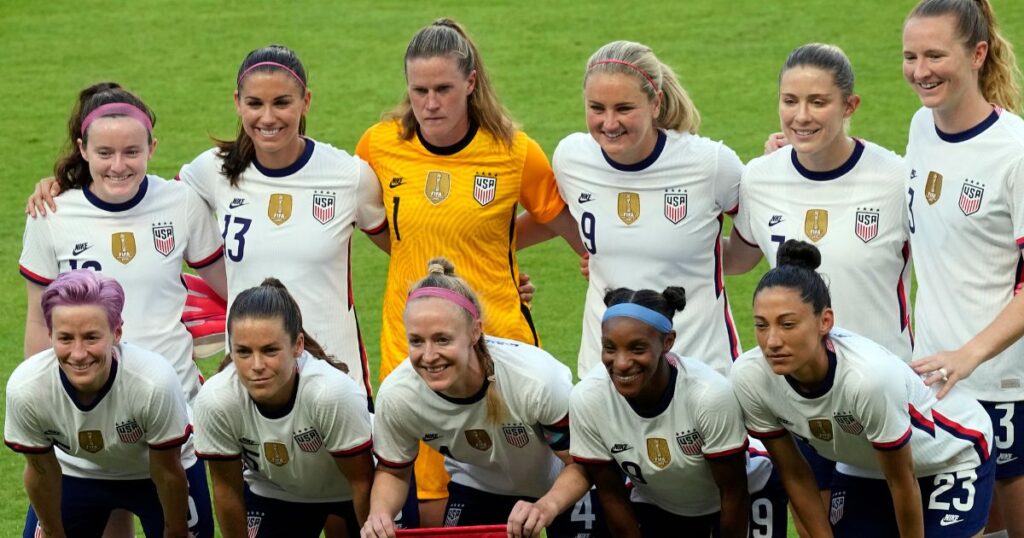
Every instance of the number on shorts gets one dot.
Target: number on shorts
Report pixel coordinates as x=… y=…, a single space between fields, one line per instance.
x=235 y=254
x=584 y=512
x=588 y=229
x=945 y=482
x=1004 y=437
x=761 y=518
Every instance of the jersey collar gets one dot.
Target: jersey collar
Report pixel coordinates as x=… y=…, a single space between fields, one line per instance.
x=964 y=136
x=286 y=408
x=666 y=397
x=659 y=146
x=454 y=148
x=307 y=153
x=118 y=207
x=73 y=393
x=469 y=400
x=858 y=150
x=830 y=377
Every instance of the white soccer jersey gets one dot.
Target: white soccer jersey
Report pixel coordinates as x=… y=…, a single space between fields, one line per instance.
x=290 y=455
x=869 y=401
x=295 y=224
x=140 y=407
x=511 y=458
x=967 y=228
x=141 y=244
x=665 y=455
x=655 y=224
x=856 y=216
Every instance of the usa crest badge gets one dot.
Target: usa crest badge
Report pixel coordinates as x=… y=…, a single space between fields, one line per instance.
x=279 y=209
x=438 y=186
x=90 y=440
x=452 y=515
x=276 y=453
x=691 y=443
x=163 y=237
x=821 y=428
x=675 y=206
x=252 y=523
x=308 y=440
x=970 y=197
x=629 y=207
x=129 y=432
x=478 y=439
x=866 y=225
x=848 y=423
x=484 y=188
x=816 y=224
x=933 y=188
x=122 y=246
x=516 y=435
x=323 y=206
x=836 y=507
x=658 y=453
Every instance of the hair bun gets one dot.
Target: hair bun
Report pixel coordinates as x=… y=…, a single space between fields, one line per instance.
x=799 y=254
x=441 y=265
x=676 y=297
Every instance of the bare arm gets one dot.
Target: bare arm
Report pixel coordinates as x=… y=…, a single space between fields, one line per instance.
x=216 y=276
x=738 y=257
x=528 y=519
x=37 y=337
x=611 y=490
x=382 y=239
x=172 y=488
x=229 y=497
x=530 y=232
x=390 y=488
x=42 y=483
x=358 y=470
x=898 y=467
x=799 y=482
x=730 y=474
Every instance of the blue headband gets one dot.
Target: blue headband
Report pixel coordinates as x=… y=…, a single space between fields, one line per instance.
x=641 y=313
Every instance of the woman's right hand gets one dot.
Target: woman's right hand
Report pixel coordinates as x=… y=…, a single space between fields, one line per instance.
x=774 y=142
x=378 y=525
x=46 y=190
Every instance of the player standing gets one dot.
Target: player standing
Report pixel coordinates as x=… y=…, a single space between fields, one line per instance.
x=641 y=182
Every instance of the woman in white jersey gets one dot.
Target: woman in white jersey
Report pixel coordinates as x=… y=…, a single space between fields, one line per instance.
x=966 y=157
x=117 y=414
x=907 y=464
x=498 y=411
x=286 y=433
x=641 y=179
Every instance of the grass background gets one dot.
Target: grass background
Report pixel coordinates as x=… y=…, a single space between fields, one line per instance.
x=182 y=56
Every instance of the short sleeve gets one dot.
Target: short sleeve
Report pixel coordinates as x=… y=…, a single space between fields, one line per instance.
x=394 y=444
x=198 y=178
x=341 y=415
x=22 y=431
x=370 y=214
x=585 y=415
x=750 y=389
x=727 y=179
x=166 y=421
x=538 y=191
x=719 y=420
x=205 y=245
x=214 y=436
x=883 y=407
x=741 y=219
x=363 y=147
x=38 y=261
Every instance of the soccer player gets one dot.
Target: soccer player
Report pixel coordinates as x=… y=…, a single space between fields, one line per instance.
x=496 y=408
x=117 y=414
x=286 y=433
x=966 y=156
x=454 y=170
x=641 y=180
x=907 y=463
x=844 y=194
x=672 y=425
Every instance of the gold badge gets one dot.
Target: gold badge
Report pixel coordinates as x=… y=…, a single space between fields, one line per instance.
x=478 y=439
x=821 y=428
x=933 y=187
x=438 y=185
x=90 y=440
x=816 y=224
x=122 y=246
x=276 y=453
x=280 y=208
x=629 y=207
x=657 y=451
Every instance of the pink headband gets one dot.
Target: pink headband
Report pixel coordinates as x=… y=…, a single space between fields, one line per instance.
x=275 y=64
x=632 y=66
x=449 y=295
x=118 y=109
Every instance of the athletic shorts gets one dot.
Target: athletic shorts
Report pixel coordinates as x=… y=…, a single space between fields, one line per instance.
x=955 y=505
x=821 y=466
x=270 y=518
x=1008 y=429
x=769 y=517
x=471 y=506
x=86 y=503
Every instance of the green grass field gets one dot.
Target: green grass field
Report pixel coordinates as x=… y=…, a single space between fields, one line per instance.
x=181 y=57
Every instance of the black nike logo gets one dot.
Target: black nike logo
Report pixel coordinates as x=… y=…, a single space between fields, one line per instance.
x=621 y=447
x=585 y=197
x=80 y=248
x=237 y=202
x=775 y=220
x=396 y=182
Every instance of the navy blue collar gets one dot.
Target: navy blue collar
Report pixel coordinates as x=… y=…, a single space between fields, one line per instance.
x=307 y=153
x=72 y=392
x=858 y=150
x=826 y=384
x=454 y=148
x=284 y=409
x=666 y=397
x=121 y=206
x=469 y=400
x=964 y=136
x=659 y=146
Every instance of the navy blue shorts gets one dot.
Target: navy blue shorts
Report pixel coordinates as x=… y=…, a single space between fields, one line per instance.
x=821 y=466
x=470 y=506
x=768 y=516
x=1008 y=427
x=654 y=522
x=955 y=505
x=86 y=503
x=269 y=518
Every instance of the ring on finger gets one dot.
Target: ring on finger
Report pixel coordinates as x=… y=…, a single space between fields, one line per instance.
x=944 y=373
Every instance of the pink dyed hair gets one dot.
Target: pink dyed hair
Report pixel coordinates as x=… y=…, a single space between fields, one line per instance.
x=84 y=287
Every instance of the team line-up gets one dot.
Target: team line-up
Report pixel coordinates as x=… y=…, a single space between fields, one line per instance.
x=861 y=425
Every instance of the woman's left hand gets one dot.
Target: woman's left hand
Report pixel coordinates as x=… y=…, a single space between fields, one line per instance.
x=526 y=288
x=527 y=519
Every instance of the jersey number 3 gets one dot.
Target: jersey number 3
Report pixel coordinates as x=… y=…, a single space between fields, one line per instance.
x=236 y=251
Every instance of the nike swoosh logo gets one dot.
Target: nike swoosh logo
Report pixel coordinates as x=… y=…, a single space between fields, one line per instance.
x=235 y=204
x=80 y=249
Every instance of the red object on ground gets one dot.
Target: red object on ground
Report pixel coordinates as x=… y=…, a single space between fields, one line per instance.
x=478 y=531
